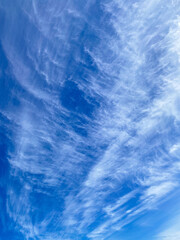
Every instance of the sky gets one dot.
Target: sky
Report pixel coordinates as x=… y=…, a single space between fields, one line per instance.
x=89 y=120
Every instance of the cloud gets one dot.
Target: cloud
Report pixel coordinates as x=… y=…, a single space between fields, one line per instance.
x=92 y=174
x=171 y=232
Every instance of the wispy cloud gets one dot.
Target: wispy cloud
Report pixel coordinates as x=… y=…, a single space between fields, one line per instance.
x=92 y=156
x=171 y=232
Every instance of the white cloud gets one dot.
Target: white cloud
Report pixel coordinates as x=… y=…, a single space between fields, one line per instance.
x=128 y=138
x=172 y=232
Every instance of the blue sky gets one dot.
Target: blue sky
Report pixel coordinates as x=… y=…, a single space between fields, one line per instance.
x=89 y=120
